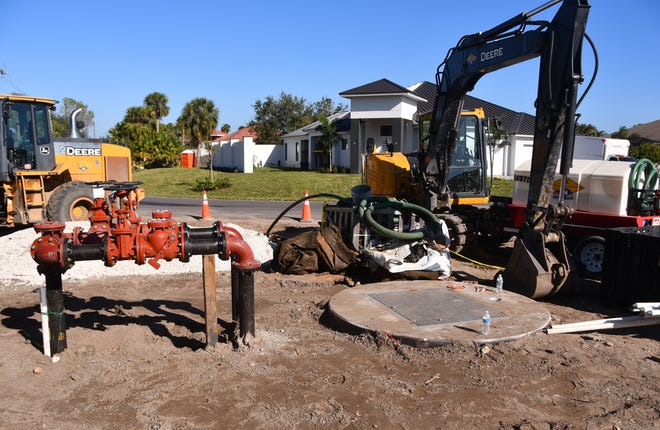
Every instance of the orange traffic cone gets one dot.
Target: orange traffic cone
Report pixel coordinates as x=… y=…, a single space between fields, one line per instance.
x=206 y=212
x=307 y=210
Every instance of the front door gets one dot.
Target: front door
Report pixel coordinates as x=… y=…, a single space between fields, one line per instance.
x=304 y=154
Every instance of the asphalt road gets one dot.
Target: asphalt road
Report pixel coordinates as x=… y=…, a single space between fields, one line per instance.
x=230 y=211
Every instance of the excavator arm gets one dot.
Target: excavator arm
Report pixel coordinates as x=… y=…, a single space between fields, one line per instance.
x=558 y=43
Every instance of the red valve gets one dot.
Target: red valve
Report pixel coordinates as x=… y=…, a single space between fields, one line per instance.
x=46 y=249
x=116 y=234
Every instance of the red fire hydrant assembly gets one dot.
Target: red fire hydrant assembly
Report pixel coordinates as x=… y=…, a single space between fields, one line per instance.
x=117 y=233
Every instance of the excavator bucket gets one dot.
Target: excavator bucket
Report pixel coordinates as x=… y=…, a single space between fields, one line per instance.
x=539 y=269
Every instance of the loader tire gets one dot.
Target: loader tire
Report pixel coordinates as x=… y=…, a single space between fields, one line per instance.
x=71 y=201
x=457 y=231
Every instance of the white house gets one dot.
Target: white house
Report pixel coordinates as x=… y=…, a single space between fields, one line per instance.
x=384 y=115
x=302 y=148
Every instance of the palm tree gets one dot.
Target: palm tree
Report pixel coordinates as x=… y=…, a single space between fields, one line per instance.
x=327 y=139
x=156 y=105
x=200 y=116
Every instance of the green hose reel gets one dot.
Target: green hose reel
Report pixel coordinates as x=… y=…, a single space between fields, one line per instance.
x=642 y=186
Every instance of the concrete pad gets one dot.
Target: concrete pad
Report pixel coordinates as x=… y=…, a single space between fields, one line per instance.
x=431 y=313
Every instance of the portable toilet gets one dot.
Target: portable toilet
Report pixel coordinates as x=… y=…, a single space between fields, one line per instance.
x=188 y=158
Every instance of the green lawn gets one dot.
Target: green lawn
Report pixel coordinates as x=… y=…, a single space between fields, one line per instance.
x=502 y=187
x=264 y=184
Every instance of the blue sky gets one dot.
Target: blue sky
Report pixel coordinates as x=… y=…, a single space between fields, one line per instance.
x=111 y=54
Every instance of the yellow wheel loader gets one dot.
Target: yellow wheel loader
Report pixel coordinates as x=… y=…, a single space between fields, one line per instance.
x=45 y=178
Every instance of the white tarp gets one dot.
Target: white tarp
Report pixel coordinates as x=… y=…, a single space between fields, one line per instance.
x=433 y=260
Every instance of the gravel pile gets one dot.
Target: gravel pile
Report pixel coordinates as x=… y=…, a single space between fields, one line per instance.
x=19 y=270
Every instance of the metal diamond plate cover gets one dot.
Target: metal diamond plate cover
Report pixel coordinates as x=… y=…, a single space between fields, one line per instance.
x=433 y=306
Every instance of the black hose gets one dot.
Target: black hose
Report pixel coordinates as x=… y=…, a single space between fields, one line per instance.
x=288 y=208
x=593 y=77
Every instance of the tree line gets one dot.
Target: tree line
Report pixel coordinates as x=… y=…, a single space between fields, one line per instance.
x=158 y=145
x=154 y=144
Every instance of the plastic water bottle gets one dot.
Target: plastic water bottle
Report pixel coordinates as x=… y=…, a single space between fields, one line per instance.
x=485 y=330
x=499 y=283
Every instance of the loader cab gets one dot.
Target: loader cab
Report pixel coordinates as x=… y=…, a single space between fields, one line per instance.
x=25 y=135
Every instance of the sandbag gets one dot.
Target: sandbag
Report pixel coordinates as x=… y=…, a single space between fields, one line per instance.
x=321 y=250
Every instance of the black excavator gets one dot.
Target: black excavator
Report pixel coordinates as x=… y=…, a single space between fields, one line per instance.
x=540 y=264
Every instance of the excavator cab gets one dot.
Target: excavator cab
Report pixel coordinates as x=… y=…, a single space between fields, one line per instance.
x=392 y=174
x=467 y=171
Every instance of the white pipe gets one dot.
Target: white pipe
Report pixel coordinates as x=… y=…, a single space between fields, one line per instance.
x=45 y=329
x=604 y=324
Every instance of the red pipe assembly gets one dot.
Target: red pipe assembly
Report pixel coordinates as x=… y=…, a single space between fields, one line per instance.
x=116 y=233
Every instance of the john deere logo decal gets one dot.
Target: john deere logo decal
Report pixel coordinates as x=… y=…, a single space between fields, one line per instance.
x=572 y=187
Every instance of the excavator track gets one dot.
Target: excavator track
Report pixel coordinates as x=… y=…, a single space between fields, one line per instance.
x=458 y=231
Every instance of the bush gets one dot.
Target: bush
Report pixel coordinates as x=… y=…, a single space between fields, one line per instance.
x=207 y=185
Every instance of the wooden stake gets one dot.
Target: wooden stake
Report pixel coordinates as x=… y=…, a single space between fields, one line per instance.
x=210 y=299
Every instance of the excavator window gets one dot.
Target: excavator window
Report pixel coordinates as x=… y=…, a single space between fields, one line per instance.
x=467 y=150
x=466 y=170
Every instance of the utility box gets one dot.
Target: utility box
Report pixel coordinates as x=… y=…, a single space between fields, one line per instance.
x=631 y=265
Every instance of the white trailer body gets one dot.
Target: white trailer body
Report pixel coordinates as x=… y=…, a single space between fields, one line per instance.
x=599 y=148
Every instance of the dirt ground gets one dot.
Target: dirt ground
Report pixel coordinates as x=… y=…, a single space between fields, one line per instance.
x=136 y=359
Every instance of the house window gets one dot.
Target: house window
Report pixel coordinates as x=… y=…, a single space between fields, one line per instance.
x=286 y=151
x=344 y=144
x=386 y=130
x=297 y=151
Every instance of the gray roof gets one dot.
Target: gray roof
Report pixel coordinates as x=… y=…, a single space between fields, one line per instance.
x=424 y=92
x=341 y=120
x=513 y=122
x=380 y=87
